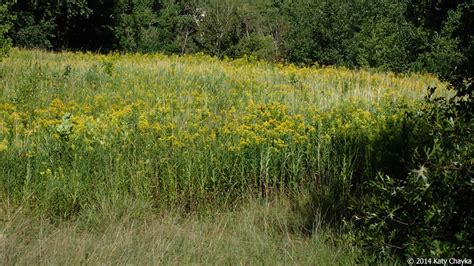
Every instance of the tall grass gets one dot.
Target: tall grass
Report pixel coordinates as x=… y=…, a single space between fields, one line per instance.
x=77 y=130
x=254 y=233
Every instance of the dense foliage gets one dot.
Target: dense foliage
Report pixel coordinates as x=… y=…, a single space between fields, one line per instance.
x=402 y=35
x=5 y=24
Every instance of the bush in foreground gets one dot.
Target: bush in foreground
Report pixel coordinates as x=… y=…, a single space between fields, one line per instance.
x=428 y=212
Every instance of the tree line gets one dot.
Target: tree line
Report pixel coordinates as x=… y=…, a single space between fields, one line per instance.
x=406 y=35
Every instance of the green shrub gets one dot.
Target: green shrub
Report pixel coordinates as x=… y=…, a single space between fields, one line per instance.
x=261 y=47
x=428 y=212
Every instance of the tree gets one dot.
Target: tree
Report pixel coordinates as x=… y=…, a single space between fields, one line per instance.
x=46 y=23
x=5 y=25
x=134 y=17
x=236 y=28
x=320 y=31
x=385 y=39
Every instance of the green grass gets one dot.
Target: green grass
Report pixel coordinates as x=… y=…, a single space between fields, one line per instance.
x=255 y=233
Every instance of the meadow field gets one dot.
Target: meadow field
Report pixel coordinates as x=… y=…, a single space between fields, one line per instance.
x=242 y=158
